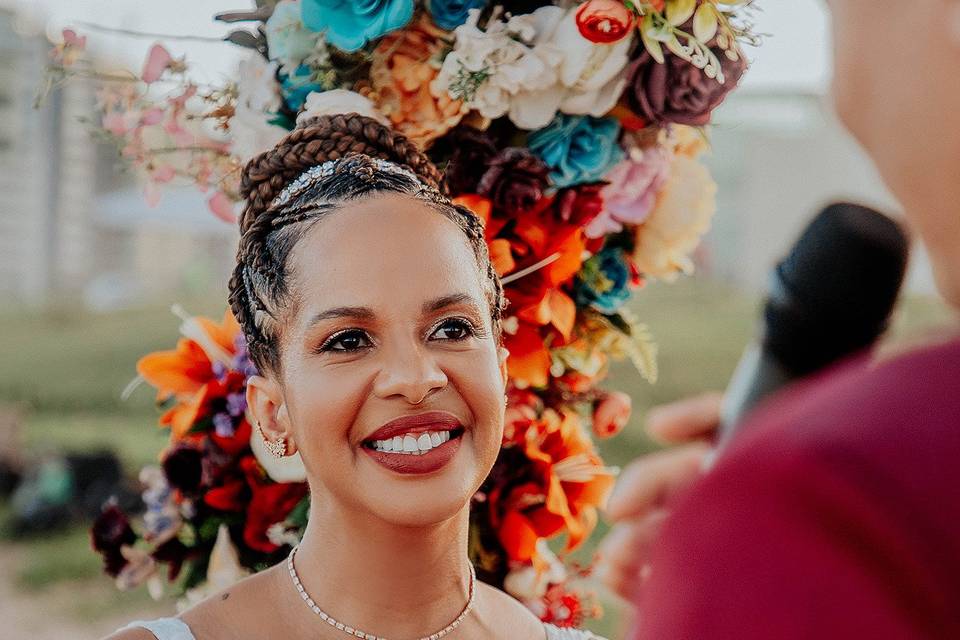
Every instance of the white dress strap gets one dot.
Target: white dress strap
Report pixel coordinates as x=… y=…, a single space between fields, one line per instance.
x=566 y=633
x=164 y=628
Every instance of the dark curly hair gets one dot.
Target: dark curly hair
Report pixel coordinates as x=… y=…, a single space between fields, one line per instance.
x=259 y=286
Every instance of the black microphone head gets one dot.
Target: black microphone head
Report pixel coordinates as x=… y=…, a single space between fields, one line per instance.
x=834 y=292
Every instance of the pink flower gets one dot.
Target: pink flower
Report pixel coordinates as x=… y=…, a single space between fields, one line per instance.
x=222 y=207
x=158 y=61
x=632 y=190
x=153 y=115
x=611 y=414
x=70 y=50
x=115 y=123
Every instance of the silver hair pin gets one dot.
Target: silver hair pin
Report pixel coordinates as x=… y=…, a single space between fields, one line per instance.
x=328 y=168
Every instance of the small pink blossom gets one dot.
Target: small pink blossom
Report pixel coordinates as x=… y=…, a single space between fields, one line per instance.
x=70 y=50
x=222 y=207
x=632 y=190
x=115 y=123
x=151 y=116
x=162 y=173
x=611 y=414
x=158 y=61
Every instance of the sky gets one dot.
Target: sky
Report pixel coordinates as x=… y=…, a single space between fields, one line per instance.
x=795 y=55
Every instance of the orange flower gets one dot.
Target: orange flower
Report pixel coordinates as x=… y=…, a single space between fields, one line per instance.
x=568 y=483
x=401 y=74
x=501 y=254
x=187 y=372
x=529 y=359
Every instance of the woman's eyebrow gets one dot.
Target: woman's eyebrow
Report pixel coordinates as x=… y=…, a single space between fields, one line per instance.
x=366 y=313
x=446 y=301
x=361 y=313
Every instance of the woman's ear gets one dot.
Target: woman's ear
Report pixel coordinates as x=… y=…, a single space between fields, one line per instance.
x=503 y=353
x=269 y=410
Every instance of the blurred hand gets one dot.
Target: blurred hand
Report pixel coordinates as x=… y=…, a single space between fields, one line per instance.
x=638 y=503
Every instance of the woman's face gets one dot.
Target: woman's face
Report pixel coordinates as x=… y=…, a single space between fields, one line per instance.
x=390 y=321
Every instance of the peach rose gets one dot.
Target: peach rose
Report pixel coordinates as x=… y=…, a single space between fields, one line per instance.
x=401 y=74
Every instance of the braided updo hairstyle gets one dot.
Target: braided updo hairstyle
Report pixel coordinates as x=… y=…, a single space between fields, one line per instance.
x=260 y=285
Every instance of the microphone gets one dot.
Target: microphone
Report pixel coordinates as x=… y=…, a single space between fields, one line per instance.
x=831 y=297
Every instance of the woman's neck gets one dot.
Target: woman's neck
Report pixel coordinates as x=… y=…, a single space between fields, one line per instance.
x=379 y=577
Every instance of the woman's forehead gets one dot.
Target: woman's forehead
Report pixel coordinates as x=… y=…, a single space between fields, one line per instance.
x=389 y=251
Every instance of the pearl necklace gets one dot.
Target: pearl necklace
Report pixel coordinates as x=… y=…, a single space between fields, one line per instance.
x=369 y=636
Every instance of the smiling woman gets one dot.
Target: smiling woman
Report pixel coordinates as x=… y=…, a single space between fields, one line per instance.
x=373 y=314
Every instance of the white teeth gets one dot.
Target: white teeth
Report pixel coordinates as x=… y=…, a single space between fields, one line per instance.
x=412 y=444
x=424 y=442
x=409 y=444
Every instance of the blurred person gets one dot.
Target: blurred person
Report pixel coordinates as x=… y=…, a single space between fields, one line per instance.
x=837 y=511
x=382 y=364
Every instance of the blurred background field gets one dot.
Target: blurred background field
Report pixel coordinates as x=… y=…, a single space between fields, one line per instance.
x=64 y=370
x=88 y=272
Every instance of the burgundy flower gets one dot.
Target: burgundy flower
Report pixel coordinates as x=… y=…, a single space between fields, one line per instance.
x=467 y=151
x=111 y=530
x=676 y=91
x=183 y=468
x=515 y=181
x=580 y=204
x=173 y=553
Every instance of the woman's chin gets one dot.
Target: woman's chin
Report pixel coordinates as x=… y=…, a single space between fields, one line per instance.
x=421 y=499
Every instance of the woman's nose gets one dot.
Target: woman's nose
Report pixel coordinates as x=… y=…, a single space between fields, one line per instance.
x=408 y=371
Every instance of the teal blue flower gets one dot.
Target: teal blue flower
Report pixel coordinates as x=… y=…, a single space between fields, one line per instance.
x=450 y=14
x=296 y=86
x=350 y=25
x=603 y=281
x=578 y=148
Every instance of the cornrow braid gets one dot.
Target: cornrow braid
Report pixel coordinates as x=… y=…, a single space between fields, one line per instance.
x=318 y=140
x=270 y=226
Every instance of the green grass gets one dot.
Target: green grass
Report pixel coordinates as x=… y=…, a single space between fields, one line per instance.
x=66 y=360
x=68 y=369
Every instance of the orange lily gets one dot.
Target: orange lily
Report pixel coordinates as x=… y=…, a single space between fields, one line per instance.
x=572 y=483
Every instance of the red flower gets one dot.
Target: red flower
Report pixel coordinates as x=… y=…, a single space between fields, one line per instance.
x=604 y=21
x=270 y=504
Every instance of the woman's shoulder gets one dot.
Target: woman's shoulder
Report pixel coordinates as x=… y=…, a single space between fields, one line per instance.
x=558 y=633
x=505 y=616
x=229 y=610
x=156 y=629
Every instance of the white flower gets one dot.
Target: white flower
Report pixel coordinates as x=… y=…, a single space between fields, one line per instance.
x=681 y=216
x=335 y=101
x=223 y=571
x=258 y=99
x=528 y=582
x=532 y=66
x=591 y=77
x=487 y=68
x=288 y=41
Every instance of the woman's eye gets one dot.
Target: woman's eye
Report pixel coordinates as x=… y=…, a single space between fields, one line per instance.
x=455 y=329
x=350 y=341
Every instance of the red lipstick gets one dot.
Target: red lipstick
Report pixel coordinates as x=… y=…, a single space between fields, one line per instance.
x=419 y=463
x=429 y=421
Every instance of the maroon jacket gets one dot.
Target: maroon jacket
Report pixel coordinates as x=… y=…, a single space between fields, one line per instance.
x=835 y=515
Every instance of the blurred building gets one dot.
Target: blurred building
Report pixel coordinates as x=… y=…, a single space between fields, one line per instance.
x=74 y=228
x=778 y=158
x=47 y=172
